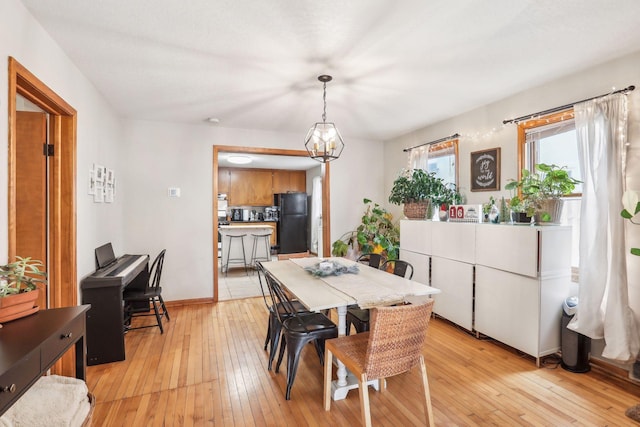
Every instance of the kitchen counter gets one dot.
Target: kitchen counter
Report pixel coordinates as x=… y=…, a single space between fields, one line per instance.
x=247 y=228
x=251 y=222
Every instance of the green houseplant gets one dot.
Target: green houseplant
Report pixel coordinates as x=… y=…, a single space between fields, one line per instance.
x=18 y=287
x=416 y=189
x=540 y=191
x=376 y=233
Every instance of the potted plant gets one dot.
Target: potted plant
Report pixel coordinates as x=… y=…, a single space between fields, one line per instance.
x=542 y=189
x=18 y=287
x=447 y=196
x=416 y=189
x=376 y=234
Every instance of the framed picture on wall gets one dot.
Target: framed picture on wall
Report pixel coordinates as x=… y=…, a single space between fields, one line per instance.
x=485 y=170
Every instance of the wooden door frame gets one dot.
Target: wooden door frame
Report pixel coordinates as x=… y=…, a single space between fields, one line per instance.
x=62 y=274
x=326 y=193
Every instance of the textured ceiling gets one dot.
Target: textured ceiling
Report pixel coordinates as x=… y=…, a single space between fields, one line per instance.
x=397 y=65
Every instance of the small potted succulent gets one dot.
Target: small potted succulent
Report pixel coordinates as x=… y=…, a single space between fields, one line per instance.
x=18 y=287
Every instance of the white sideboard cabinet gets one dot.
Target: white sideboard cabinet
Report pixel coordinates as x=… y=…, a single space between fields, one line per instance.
x=504 y=281
x=523 y=274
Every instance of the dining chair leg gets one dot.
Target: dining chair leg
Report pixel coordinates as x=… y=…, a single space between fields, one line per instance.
x=164 y=308
x=268 y=338
x=283 y=347
x=294 y=348
x=427 y=395
x=328 y=366
x=365 y=409
x=276 y=332
x=157 y=313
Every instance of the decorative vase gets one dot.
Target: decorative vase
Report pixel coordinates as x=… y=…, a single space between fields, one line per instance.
x=18 y=305
x=416 y=210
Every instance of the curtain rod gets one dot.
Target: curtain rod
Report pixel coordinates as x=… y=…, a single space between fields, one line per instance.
x=446 y=138
x=565 y=107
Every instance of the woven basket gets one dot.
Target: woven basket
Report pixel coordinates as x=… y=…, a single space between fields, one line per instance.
x=416 y=210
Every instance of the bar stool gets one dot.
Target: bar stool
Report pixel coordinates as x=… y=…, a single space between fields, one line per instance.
x=266 y=240
x=242 y=260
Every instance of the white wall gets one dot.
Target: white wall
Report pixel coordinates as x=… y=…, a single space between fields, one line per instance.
x=482 y=129
x=160 y=155
x=98 y=130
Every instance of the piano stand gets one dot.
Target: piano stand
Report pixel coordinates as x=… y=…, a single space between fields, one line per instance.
x=105 y=319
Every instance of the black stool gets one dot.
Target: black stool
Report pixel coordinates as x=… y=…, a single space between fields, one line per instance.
x=266 y=240
x=242 y=260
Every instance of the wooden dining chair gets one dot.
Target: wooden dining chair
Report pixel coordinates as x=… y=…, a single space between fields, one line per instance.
x=138 y=302
x=392 y=346
x=298 y=329
x=274 y=326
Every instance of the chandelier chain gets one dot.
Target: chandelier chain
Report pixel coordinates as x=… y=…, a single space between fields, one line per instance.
x=324 y=100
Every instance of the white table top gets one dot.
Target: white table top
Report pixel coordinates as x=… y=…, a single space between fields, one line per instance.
x=368 y=288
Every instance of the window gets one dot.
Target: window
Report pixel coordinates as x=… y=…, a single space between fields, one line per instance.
x=440 y=158
x=552 y=140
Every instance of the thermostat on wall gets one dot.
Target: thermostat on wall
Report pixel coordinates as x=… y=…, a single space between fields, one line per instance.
x=174 y=192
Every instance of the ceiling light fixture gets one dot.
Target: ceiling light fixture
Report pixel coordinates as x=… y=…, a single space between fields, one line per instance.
x=323 y=141
x=239 y=160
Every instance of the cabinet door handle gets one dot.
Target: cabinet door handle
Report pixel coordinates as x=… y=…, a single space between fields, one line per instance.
x=68 y=335
x=8 y=389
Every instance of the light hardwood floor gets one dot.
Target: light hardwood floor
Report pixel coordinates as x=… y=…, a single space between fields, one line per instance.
x=209 y=368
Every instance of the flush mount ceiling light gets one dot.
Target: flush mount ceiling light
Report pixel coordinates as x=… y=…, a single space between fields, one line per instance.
x=323 y=141
x=239 y=160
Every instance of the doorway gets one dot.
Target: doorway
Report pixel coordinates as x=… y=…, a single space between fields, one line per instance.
x=325 y=176
x=58 y=210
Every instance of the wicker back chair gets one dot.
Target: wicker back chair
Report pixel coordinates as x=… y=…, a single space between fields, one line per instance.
x=392 y=346
x=359 y=317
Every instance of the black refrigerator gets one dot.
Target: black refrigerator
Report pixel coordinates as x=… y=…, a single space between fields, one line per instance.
x=292 y=222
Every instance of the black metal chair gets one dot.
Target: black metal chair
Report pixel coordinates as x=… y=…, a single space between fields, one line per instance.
x=138 y=301
x=399 y=268
x=372 y=260
x=298 y=329
x=274 y=326
x=359 y=317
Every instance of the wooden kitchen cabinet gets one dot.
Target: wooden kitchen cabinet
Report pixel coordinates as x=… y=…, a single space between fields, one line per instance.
x=285 y=180
x=250 y=187
x=223 y=180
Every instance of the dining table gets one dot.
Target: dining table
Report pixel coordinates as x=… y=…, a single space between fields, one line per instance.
x=311 y=282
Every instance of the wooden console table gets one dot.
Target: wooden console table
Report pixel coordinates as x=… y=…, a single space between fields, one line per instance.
x=31 y=345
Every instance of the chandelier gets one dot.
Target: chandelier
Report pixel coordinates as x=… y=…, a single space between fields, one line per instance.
x=323 y=141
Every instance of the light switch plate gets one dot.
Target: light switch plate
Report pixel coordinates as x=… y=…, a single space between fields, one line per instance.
x=174 y=192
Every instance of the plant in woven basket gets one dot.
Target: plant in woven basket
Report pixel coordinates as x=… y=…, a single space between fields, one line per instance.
x=20 y=276
x=417 y=187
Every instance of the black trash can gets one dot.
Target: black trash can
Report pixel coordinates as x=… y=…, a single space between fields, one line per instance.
x=575 y=347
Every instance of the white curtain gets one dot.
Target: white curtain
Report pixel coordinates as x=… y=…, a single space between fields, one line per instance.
x=603 y=309
x=316 y=213
x=419 y=158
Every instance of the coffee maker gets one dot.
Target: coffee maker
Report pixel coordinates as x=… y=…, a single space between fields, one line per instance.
x=236 y=214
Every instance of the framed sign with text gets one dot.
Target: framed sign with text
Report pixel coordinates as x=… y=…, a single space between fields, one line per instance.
x=485 y=170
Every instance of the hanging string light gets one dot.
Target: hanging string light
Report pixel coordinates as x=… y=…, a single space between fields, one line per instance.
x=323 y=141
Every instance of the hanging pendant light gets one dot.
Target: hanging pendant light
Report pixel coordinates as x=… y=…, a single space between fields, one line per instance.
x=323 y=141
